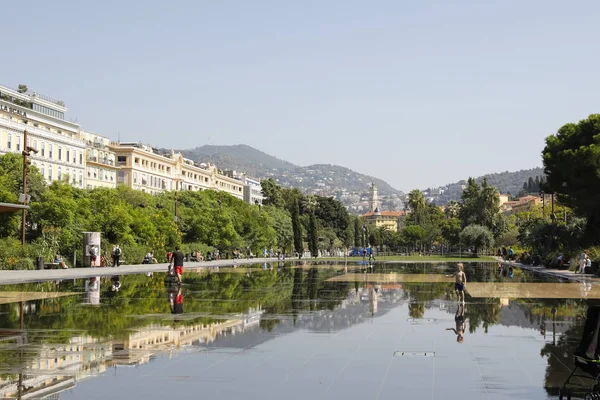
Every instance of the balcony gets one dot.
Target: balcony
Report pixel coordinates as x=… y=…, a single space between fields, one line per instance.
x=105 y=161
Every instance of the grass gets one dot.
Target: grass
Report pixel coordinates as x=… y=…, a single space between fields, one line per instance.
x=418 y=258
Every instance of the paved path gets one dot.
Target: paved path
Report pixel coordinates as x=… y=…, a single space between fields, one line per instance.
x=9 y=277
x=558 y=273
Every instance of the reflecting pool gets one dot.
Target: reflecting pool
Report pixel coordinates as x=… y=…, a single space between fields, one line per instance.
x=298 y=331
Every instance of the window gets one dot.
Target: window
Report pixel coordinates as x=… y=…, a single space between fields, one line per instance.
x=59 y=176
x=18 y=143
x=50 y=173
x=50 y=148
x=42 y=170
x=74 y=178
x=135 y=177
x=68 y=155
x=9 y=142
x=43 y=149
x=59 y=155
x=35 y=144
x=81 y=158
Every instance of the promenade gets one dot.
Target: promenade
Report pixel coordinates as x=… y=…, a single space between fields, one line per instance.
x=12 y=277
x=557 y=273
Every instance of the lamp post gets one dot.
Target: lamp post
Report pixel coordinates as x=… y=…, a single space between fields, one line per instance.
x=26 y=153
x=176 y=215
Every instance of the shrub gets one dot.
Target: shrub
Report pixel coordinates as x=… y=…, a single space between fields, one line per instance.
x=12 y=254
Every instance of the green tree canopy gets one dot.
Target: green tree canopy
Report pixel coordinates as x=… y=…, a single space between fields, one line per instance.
x=571 y=162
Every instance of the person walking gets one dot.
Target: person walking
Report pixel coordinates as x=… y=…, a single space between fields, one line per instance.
x=116 y=254
x=582 y=263
x=177 y=262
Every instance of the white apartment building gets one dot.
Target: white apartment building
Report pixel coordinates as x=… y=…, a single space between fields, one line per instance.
x=61 y=153
x=89 y=160
x=252 y=191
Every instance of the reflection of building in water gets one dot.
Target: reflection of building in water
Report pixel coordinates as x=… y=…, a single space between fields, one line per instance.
x=92 y=291
x=54 y=368
x=47 y=369
x=141 y=345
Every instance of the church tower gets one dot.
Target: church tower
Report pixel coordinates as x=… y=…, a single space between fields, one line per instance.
x=373 y=200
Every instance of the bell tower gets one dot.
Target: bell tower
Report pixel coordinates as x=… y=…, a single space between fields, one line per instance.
x=373 y=199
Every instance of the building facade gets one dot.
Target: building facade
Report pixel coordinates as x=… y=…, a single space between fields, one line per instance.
x=101 y=168
x=60 y=150
x=87 y=160
x=252 y=191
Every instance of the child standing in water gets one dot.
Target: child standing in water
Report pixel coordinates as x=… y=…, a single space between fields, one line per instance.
x=460 y=282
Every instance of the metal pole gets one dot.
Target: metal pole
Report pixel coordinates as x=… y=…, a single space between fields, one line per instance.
x=25 y=154
x=552 y=203
x=176 y=205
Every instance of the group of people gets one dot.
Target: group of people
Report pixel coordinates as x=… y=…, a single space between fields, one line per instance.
x=584 y=261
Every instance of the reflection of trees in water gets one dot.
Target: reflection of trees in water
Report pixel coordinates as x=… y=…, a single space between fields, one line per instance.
x=560 y=356
x=483 y=314
x=416 y=310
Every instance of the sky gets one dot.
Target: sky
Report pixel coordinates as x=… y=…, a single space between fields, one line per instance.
x=418 y=93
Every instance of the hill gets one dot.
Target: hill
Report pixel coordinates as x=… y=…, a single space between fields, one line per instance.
x=505 y=182
x=348 y=186
x=239 y=157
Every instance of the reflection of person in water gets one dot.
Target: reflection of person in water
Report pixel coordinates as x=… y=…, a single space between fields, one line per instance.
x=459 y=318
x=116 y=283
x=176 y=301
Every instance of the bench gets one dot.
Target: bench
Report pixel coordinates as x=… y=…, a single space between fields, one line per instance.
x=51 y=265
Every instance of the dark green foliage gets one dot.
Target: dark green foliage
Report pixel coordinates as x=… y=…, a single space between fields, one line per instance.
x=297 y=228
x=313 y=235
x=571 y=163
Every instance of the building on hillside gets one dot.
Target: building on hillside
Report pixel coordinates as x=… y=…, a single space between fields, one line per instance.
x=375 y=218
x=101 y=168
x=60 y=150
x=388 y=219
x=525 y=204
x=373 y=198
x=504 y=198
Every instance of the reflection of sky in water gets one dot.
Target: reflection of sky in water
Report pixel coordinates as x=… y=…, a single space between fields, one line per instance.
x=312 y=331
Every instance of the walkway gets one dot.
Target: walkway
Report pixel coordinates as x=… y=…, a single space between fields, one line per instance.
x=558 y=273
x=13 y=277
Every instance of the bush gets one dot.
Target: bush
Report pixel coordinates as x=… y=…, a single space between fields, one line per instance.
x=13 y=255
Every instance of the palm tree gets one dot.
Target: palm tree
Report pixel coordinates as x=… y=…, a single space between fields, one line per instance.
x=417 y=204
x=452 y=209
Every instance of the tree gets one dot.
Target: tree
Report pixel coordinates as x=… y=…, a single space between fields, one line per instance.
x=477 y=236
x=282 y=223
x=452 y=209
x=413 y=235
x=313 y=235
x=272 y=193
x=22 y=88
x=571 y=160
x=297 y=228
x=481 y=206
x=417 y=204
x=357 y=232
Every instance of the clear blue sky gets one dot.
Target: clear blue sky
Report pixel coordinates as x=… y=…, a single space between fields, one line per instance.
x=418 y=93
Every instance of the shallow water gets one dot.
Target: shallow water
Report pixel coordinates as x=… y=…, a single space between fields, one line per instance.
x=316 y=330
